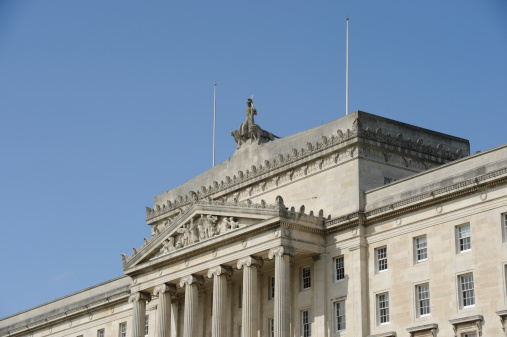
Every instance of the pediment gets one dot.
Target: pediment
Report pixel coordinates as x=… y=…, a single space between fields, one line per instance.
x=201 y=222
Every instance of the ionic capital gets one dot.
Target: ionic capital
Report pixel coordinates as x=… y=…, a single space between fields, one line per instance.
x=139 y=296
x=280 y=251
x=220 y=270
x=250 y=261
x=191 y=279
x=165 y=288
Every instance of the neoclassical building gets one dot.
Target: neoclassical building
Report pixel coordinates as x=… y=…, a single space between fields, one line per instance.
x=363 y=226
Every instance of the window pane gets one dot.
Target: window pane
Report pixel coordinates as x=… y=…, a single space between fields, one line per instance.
x=340 y=315
x=339 y=268
x=306 y=278
x=464 y=238
x=423 y=299
x=382 y=259
x=383 y=308
x=467 y=290
x=306 y=327
x=421 y=249
x=146 y=324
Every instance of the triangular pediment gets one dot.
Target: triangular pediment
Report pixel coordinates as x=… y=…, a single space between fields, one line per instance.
x=201 y=222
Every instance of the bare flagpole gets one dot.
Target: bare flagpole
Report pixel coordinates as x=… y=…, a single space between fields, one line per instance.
x=214 y=119
x=347 y=74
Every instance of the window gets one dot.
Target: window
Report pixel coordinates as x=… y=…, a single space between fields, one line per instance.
x=423 y=300
x=306 y=323
x=306 y=278
x=421 y=249
x=123 y=329
x=146 y=324
x=271 y=327
x=271 y=290
x=466 y=288
x=100 y=333
x=381 y=259
x=383 y=308
x=464 y=240
x=339 y=269
x=240 y=297
x=339 y=309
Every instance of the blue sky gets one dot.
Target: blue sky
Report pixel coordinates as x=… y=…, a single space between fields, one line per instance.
x=105 y=104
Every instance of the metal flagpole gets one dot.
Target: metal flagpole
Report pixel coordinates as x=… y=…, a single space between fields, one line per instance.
x=347 y=74
x=214 y=119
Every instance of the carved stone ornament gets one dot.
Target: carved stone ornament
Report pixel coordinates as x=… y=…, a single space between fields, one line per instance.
x=191 y=279
x=139 y=296
x=250 y=261
x=165 y=288
x=280 y=251
x=220 y=270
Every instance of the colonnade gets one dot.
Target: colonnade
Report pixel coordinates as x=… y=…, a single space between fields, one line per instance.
x=166 y=323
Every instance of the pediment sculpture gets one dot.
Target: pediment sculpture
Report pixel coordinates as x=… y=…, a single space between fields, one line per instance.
x=196 y=230
x=249 y=132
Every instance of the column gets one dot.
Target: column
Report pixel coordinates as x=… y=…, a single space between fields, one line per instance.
x=191 y=284
x=138 y=301
x=249 y=317
x=219 y=317
x=282 y=289
x=174 y=315
x=164 y=292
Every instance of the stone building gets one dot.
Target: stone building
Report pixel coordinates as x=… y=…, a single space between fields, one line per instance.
x=364 y=226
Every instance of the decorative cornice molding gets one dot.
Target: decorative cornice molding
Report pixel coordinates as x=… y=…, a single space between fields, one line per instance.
x=477 y=319
x=220 y=270
x=280 y=251
x=191 y=279
x=250 y=261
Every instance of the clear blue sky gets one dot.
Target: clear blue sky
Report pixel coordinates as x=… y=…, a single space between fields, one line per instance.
x=105 y=104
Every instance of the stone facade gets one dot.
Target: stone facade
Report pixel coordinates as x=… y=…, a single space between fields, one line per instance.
x=364 y=226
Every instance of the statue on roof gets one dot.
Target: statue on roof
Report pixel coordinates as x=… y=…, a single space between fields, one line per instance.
x=249 y=132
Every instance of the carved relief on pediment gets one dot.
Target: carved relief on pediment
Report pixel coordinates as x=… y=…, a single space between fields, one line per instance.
x=196 y=230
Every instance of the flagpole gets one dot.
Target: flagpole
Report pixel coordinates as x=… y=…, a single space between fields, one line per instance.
x=347 y=74
x=214 y=118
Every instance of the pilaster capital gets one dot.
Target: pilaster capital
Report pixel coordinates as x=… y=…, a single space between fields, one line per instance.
x=139 y=296
x=280 y=251
x=220 y=270
x=191 y=279
x=165 y=288
x=250 y=261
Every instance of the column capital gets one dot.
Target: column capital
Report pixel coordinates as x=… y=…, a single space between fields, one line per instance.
x=139 y=296
x=191 y=279
x=219 y=270
x=280 y=251
x=250 y=261
x=165 y=288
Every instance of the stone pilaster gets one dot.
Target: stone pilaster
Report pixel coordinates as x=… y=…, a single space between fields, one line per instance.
x=218 y=320
x=282 y=289
x=164 y=292
x=191 y=284
x=249 y=317
x=138 y=301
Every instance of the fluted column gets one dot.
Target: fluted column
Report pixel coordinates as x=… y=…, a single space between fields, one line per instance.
x=218 y=320
x=191 y=284
x=138 y=301
x=249 y=317
x=174 y=316
x=164 y=292
x=282 y=289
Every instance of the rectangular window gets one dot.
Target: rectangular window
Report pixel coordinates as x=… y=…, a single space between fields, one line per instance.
x=381 y=259
x=423 y=299
x=100 y=333
x=464 y=240
x=421 y=249
x=306 y=278
x=146 y=324
x=123 y=329
x=339 y=269
x=505 y=227
x=339 y=308
x=466 y=288
x=383 y=308
x=271 y=290
x=306 y=323
x=271 y=325
x=240 y=297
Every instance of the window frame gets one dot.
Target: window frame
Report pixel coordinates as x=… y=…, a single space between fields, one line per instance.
x=417 y=249
x=379 y=261
x=271 y=327
x=420 y=301
x=335 y=268
x=302 y=278
x=271 y=288
x=462 y=291
x=121 y=332
x=386 y=308
x=103 y=330
x=303 y=324
x=146 y=325
x=337 y=315
x=459 y=238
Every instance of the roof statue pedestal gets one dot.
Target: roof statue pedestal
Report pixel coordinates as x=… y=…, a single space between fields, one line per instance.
x=250 y=133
